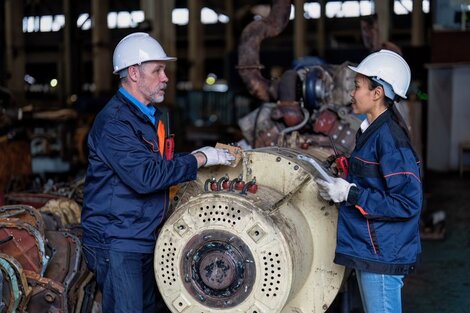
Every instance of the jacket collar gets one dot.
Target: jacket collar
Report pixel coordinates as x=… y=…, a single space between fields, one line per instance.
x=136 y=110
x=362 y=137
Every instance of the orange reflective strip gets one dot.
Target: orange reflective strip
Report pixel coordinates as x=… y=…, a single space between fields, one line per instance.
x=161 y=136
x=403 y=173
x=363 y=212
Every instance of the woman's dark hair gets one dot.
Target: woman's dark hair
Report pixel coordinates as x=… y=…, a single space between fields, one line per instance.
x=390 y=105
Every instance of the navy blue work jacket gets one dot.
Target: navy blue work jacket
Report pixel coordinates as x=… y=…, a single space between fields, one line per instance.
x=126 y=188
x=378 y=226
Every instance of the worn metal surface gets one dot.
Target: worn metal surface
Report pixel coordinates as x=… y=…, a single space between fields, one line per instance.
x=11 y=295
x=47 y=295
x=83 y=291
x=218 y=268
x=26 y=213
x=27 y=245
x=271 y=251
x=55 y=276
x=22 y=289
x=59 y=262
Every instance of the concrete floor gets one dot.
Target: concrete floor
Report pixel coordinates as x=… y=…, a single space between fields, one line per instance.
x=441 y=283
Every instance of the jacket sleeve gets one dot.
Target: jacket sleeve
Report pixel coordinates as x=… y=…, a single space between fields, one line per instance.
x=399 y=197
x=141 y=169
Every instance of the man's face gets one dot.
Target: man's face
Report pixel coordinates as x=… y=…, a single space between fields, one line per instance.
x=152 y=81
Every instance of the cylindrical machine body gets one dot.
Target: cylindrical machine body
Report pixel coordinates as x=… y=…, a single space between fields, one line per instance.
x=237 y=251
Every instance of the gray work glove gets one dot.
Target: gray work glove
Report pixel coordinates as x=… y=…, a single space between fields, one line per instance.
x=337 y=191
x=215 y=156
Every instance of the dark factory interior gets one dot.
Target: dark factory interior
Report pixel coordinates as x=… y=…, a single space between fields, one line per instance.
x=258 y=100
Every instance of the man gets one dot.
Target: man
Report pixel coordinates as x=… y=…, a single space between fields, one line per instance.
x=129 y=173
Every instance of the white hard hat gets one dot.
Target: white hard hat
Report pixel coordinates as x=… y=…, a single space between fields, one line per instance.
x=137 y=48
x=388 y=69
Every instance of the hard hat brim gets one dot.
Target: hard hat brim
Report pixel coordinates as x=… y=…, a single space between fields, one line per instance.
x=166 y=59
x=356 y=70
x=116 y=72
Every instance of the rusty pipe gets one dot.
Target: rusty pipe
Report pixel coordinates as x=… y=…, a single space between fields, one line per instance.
x=254 y=33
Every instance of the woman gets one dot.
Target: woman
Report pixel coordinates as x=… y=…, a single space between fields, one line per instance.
x=378 y=222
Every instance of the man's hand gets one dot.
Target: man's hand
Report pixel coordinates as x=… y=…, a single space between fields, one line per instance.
x=337 y=191
x=213 y=156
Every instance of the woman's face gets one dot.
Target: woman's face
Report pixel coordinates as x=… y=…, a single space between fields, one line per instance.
x=361 y=96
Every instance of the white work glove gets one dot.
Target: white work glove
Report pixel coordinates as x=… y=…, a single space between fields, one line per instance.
x=337 y=191
x=215 y=156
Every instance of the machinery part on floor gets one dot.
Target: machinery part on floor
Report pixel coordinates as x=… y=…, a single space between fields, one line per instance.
x=26 y=213
x=65 y=261
x=82 y=292
x=249 y=67
x=67 y=209
x=10 y=287
x=14 y=284
x=47 y=295
x=43 y=269
x=27 y=245
x=268 y=251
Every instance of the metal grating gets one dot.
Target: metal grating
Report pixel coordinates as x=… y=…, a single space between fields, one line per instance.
x=167 y=269
x=272 y=268
x=220 y=213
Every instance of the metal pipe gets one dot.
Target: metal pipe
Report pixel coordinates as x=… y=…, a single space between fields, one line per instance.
x=249 y=66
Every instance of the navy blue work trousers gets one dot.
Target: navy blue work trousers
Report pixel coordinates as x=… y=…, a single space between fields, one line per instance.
x=126 y=280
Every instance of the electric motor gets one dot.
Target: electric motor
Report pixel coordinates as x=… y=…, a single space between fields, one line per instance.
x=254 y=238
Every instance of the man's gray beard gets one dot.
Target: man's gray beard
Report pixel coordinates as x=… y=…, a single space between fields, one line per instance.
x=155 y=103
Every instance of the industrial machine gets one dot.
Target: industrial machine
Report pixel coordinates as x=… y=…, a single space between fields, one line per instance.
x=309 y=105
x=253 y=238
